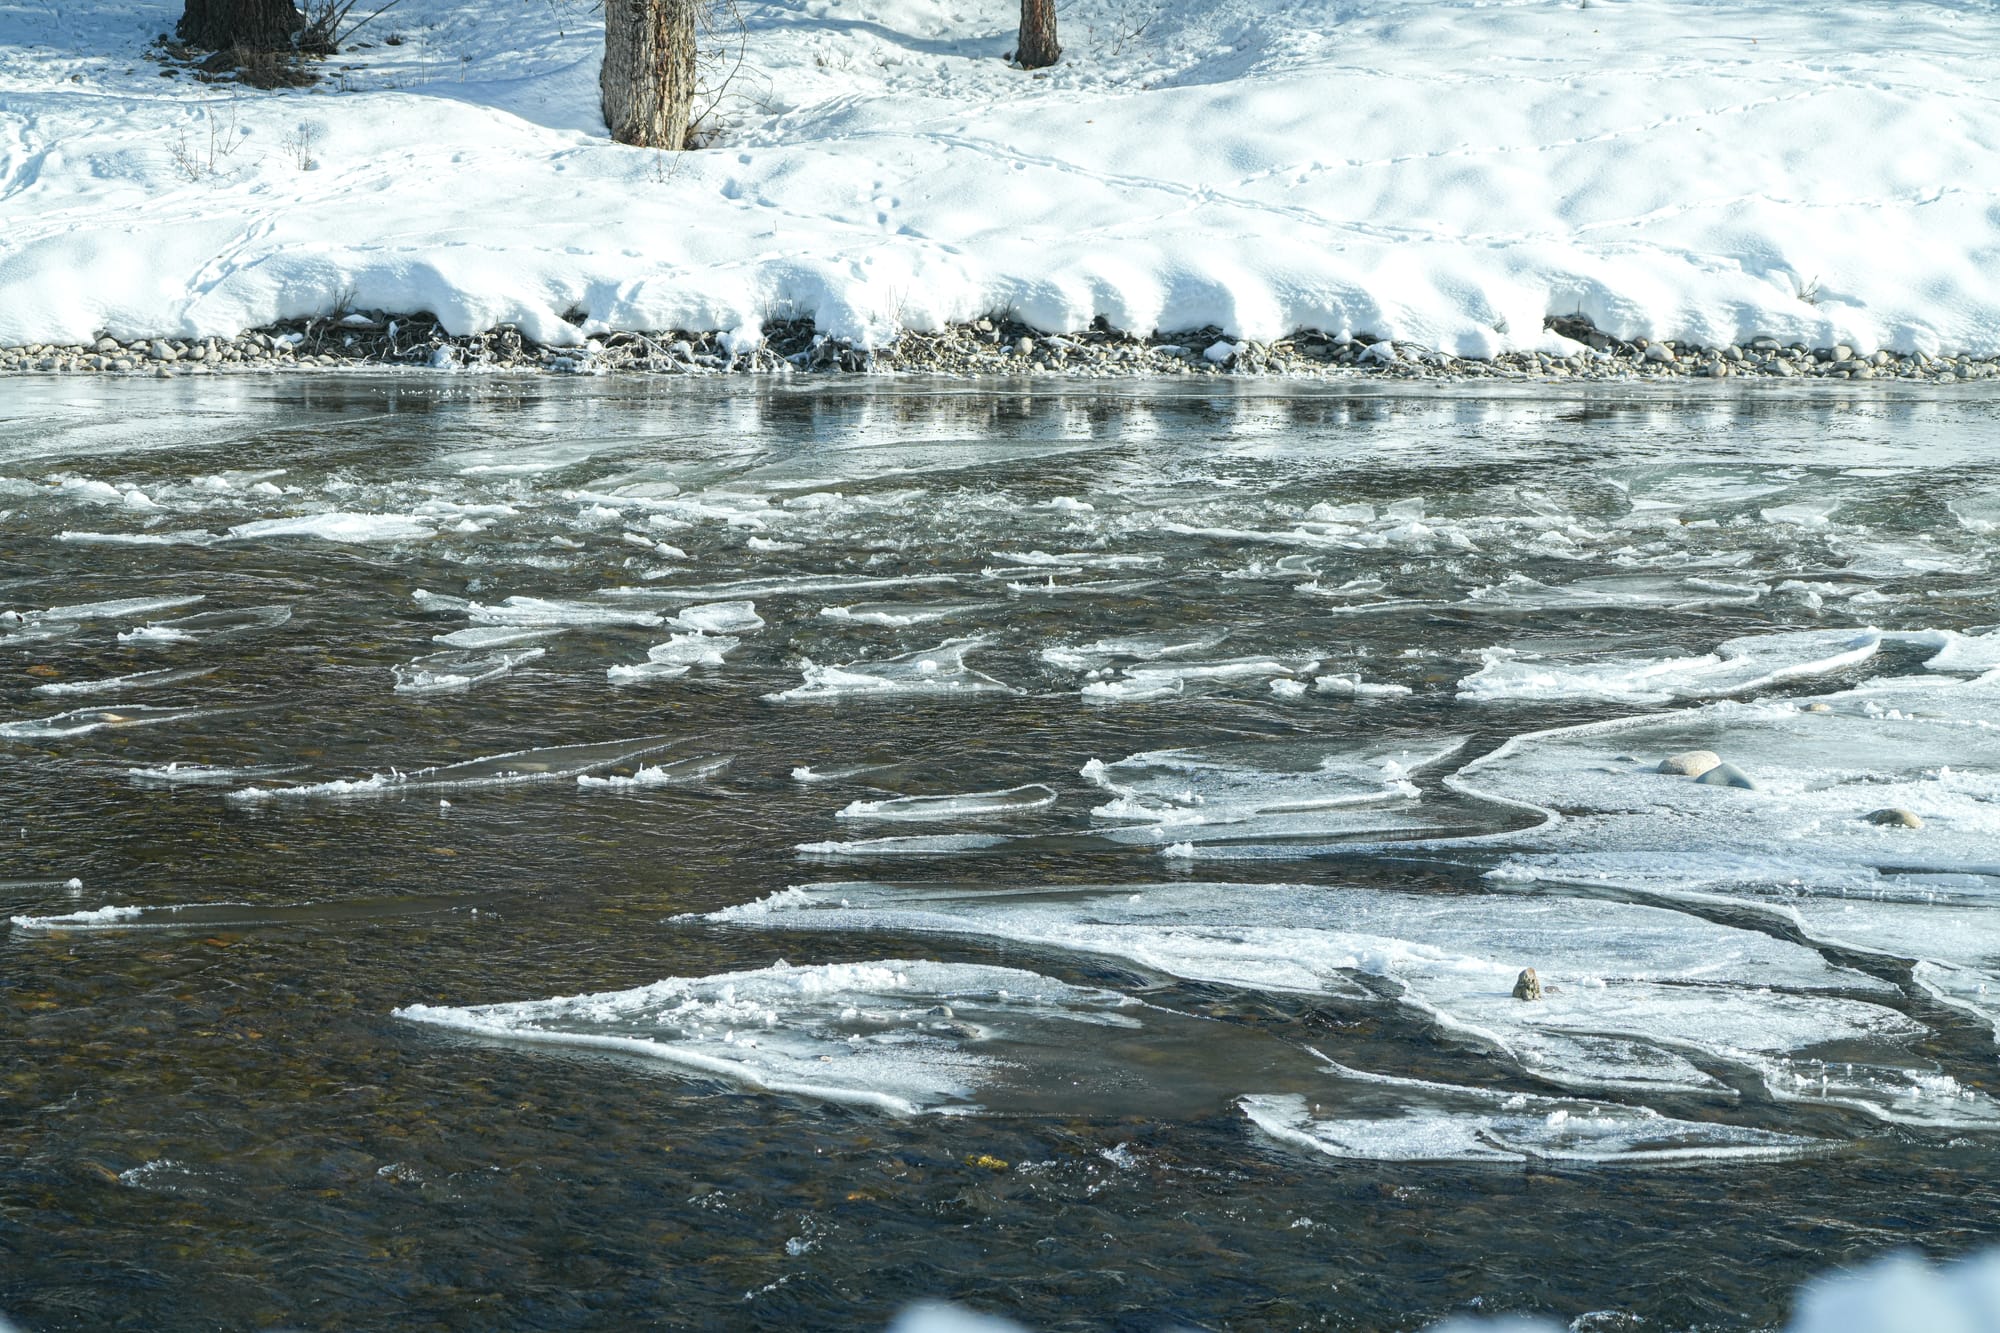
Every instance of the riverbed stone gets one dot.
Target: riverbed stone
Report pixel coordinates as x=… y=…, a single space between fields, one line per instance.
x=1727 y=775
x=1528 y=986
x=1895 y=816
x=1690 y=763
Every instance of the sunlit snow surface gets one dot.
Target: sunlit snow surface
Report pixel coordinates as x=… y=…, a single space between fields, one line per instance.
x=1666 y=167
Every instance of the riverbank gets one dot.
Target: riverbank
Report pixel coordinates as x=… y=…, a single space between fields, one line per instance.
x=981 y=348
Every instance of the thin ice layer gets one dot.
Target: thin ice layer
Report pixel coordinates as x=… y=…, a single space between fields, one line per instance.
x=1639 y=997
x=900 y=1036
x=1013 y=800
x=675 y=773
x=543 y=764
x=1802 y=847
x=932 y=671
x=444 y=673
x=1373 y=1118
x=1738 y=666
x=1227 y=783
x=84 y=721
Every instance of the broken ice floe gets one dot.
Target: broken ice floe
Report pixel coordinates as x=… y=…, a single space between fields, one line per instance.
x=1014 y=800
x=208 y=624
x=1141 y=683
x=345 y=528
x=1234 y=781
x=739 y=617
x=933 y=671
x=676 y=773
x=898 y=615
x=84 y=721
x=1640 y=998
x=1136 y=647
x=545 y=764
x=495 y=636
x=1738 y=666
x=1373 y=1118
x=137 y=680
x=442 y=673
x=903 y=1037
x=209 y=775
x=671 y=660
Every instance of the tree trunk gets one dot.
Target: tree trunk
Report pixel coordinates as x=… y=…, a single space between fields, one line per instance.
x=255 y=25
x=647 y=85
x=1038 y=45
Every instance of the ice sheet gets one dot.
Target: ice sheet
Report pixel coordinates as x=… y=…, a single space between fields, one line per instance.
x=493 y=637
x=738 y=617
x=137 y=680
x=209 y=624
x=1737 y=666
x=1640 y=998
x=1014 y=800
x=345 y=528
x=1225 y=783
x=1140 y=683
x=443 y=673
x=545 y=611
x=935 y=671
x=84 y=721
x=903 y=1037
x=674 y=773
x=543 y=764
x=119 y=608
x=897 y=615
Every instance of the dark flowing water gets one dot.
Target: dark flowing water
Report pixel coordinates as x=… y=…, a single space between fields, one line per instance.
x=214 y=1118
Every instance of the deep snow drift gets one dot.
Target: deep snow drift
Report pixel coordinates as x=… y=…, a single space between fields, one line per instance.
x=1439 y=171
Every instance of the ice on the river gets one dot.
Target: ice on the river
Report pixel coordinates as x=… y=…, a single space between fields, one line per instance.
x=84 y=721
x=932 y=671
x=1640 y=998
x=674 y=773
x=136 y=680
x=1014 y=800
x=208 y=625
x=209 y=775
x=542 y=764
x=903 y=1037
x=1374 y=1118
x=345 y=528
x=1235 y=781
x=536 y=611
x=444 y=673
x=1801 y=848
x=1101 y=653
x=1141 y=683
x=1737 y=666
x=913 y=845
x=119 y=608
x=1655 y=592
x=899 y=615
x=738 y=617
x=495 y=636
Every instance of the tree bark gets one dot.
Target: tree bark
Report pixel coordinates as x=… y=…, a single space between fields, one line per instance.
x=647 y=84
x=255 y=25
x=1038 y=46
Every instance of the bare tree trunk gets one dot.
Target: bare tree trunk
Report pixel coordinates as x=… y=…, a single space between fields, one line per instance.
x=1038 y=45
x=647 y=84
x=255 y=25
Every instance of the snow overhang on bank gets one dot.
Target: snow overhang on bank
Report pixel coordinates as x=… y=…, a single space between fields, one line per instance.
x=1438 y=172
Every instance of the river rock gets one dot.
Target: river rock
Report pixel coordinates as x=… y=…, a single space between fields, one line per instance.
x=1727 y=775
x=1690 y=763
x=1527 y=986
x=1895 y=816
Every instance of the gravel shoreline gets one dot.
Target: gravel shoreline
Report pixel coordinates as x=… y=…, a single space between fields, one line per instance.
x=983 y=347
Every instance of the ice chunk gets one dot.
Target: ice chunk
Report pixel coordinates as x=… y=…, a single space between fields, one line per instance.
x=641 y=673
x=212 y=775
x=903 y=1037
x=116 y=609
x=1140 y=683
x=897 y=615
x=544 y=764
x=1081 y=559
x=137 y=680
x=209 y=624
x=1220 y=784
x=346 y=528
x=98 y=918
x=783 y=586
x=935 y=671
x=83 y=721
x=675 y=773
x=1138 y=647
x=497 y=636
x=721 y=618
x=1633 y=992
x=1738 y=666
x=1014 y=800
x=1378 y=1119
x=544 y=611
x=929 y=844
x=442 y=673
x=1637 y=591
x=1349 y=685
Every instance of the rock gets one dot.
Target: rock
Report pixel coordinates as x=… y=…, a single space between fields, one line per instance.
x=1690 y=763
x=1841 y=352
x=1819 y=708
x=1727 y=775
x=1894 y=816
x=1024 y=347
x=1660 y=352
x=1527 y=986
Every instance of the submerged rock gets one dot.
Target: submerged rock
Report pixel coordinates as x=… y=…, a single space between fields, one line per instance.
x=1527 y=986
x=1727 y=775
x=1894 y=816
x=1690 y=763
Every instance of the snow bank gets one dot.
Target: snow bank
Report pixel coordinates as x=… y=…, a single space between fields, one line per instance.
x=1438 y=172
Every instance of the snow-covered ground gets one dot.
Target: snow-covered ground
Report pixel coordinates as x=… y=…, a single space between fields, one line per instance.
x=1446 y=172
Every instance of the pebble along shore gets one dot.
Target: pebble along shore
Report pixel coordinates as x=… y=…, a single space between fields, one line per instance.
x=983 y=347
